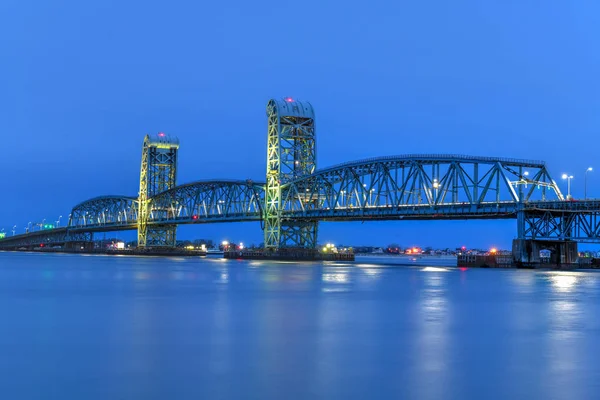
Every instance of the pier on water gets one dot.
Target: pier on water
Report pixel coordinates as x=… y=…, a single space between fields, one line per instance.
x=288 y=254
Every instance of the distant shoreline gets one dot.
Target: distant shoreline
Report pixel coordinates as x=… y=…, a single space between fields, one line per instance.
x=441 y=256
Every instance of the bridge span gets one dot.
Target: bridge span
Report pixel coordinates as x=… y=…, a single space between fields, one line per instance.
x=297 y=195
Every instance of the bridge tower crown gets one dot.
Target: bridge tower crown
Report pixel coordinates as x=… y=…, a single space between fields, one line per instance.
x=291 y=154
x=158 y=174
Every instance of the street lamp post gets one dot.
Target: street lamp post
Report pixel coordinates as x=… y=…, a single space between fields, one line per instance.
x=585 y=182
x=568 y=178
x=58 y=221
x=14 y=230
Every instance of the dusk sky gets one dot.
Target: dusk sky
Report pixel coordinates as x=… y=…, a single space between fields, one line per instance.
x=82 y=82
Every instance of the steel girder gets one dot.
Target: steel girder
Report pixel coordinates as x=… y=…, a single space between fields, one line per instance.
x=419 y=186
x=50 y=237
x=562 y=220
x=407 y=187
x=106 y=211
x=197 y=202
x=208 y=201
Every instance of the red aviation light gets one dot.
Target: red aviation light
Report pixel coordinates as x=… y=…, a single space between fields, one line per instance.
x=194 y=217
x=289 y=99
x=161 y=134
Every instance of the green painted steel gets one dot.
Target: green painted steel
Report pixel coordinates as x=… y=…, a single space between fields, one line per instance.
x=291 y=155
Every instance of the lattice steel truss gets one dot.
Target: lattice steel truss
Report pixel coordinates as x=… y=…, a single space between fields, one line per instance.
x=49 y=238
x=158 y=174
x=419 y=186
x=578 y=221
x=208 y=201
x=291 y=155
x=105 y=211
x=296 y=195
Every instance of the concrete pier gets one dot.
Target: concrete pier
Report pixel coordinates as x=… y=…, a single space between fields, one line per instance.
x=526 y=253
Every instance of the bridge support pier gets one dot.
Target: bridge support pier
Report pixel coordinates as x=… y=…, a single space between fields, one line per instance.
x=526 y=253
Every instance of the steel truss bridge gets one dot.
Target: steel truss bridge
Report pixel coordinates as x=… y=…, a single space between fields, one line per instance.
x=296 y=195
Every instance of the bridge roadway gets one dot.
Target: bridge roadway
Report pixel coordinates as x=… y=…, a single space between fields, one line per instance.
x=544 y=220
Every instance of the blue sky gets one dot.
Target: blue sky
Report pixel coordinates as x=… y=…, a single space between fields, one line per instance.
x=81 y=83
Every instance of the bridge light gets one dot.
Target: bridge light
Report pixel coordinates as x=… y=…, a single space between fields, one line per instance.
x=194 y=217
x=289 y=99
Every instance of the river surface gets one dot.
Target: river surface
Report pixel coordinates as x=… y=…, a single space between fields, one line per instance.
x=114 y=327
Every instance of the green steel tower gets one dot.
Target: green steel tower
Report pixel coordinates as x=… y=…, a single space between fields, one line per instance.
x=291 y=154
x=158 y=173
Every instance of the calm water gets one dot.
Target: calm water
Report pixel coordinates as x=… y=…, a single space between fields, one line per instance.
x=98 y=327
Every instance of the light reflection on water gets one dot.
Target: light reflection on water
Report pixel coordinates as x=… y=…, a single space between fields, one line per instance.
x=564 y=281
x=213 y=328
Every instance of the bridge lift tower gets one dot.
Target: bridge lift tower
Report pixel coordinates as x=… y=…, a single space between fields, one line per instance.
x=158 y=173
x=291 y=154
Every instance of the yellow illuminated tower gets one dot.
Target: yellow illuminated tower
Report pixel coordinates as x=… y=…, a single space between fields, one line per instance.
x=158 y=173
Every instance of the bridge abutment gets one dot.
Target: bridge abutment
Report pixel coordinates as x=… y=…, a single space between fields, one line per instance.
x=527 y=253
